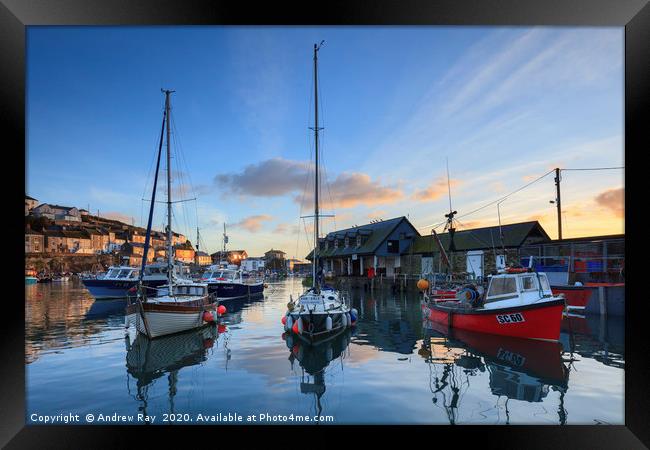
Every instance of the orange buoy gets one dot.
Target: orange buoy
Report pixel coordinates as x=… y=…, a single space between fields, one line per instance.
x=423 y=284
x=295 y=327
x=284 y=320
x=207 y=316
x=222 y=310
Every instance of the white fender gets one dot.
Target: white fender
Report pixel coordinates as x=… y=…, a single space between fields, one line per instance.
x=354 y=311
x=289 y=325
x=299 y=322
x=348 y=319
x=328 y=323
x=344 y=320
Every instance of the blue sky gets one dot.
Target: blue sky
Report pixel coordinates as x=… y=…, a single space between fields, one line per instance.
x=504 y=105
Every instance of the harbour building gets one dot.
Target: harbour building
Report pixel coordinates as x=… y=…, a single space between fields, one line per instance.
x=377 y=246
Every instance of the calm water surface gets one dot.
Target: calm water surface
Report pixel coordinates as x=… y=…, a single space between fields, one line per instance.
x=393 y=368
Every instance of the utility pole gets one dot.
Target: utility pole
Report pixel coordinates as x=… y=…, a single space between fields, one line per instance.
x=558 y=203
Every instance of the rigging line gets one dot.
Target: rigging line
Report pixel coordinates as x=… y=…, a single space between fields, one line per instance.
x=180 y=159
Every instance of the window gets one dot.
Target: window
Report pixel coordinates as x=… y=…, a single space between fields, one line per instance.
x=529 y=283
x=393 y=246
x=336 y=243
x=358 y=241
x=347 y=242
x=124 y=273
x=544 y=283
x=502 y=286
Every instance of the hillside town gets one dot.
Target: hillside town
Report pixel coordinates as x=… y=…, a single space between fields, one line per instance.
x=61 y=233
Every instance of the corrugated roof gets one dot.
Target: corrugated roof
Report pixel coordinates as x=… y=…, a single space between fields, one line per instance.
x=481 y=238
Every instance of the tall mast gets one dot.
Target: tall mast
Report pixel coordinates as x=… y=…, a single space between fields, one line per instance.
x=170 y=260
x=316 y=219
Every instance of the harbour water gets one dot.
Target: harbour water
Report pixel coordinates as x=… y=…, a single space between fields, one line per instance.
x=393 y=368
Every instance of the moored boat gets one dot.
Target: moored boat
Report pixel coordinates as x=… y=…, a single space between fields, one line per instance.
x=518 y=303
x=230 y=283
x=119 y=280
x=181 y=304
x=321 y=312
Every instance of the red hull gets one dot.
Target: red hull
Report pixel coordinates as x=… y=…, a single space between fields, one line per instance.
x=539 y=321
x=575 y=296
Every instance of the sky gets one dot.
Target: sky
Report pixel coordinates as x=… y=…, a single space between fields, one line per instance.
x=500 y=106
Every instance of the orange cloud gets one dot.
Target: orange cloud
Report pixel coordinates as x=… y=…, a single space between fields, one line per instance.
x=253 y=223
x=435 y=191
x=612 y=199
x=352 y=189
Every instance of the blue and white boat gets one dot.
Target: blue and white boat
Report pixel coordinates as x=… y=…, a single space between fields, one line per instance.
x=229 y=283
x=119 y=280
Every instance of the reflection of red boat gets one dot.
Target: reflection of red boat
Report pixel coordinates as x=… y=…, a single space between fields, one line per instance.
x=518 y=304
x=536 y=358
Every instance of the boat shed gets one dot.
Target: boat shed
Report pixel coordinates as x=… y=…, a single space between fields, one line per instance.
x=478 y=251
x=377 y=246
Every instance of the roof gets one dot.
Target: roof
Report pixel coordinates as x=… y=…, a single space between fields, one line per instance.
x=377 y=232
x=201 y=254
x=275 y=251
x=30 y=231
x=608 y=237
x=514 y=236
x=27 y=197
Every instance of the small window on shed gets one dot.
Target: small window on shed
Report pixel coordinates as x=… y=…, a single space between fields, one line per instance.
x=358 y=241
x=347 y=242
x=393 y=246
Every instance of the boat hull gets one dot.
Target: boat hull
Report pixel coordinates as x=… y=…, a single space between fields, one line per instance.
x=166 y=319
x=319 y=332
x=228 y=291
x=101 y=289
x=31 y=280
x=576 y=296
x=536 y=321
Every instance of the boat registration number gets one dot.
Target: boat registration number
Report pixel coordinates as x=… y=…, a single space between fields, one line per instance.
x=510 y=318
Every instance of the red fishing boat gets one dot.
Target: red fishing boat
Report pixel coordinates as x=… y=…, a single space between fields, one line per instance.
x=518 y=303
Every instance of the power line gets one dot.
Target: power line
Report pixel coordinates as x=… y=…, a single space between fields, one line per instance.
x=595 y=168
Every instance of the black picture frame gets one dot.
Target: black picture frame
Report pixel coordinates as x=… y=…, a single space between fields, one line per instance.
x=15 y=15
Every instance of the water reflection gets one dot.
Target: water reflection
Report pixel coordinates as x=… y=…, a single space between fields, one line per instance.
x=595 y=337
x=314 y=360
x=518 y=369
x=150 y=359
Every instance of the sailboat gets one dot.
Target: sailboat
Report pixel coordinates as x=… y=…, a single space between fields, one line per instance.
x=320 y=312
x=181 y=304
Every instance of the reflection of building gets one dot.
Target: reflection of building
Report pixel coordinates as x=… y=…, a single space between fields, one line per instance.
x=377 y=245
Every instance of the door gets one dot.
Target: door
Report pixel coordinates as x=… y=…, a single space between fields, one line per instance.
x=475 y=263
